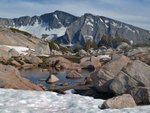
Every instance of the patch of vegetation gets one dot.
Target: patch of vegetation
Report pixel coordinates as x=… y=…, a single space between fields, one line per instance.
x=27 y=61
x=74 y=59
x=112 y=42
x=77 y=49
x=88 y=44
x=18 y=60
x=18 y=31
x=55 y=46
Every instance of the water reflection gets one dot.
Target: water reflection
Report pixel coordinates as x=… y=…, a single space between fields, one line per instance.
x=34 y=75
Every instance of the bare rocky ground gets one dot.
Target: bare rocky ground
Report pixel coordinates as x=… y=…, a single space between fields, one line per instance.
x=117 y=73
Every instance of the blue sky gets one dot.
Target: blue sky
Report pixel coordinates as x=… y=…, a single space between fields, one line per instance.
x=135 y=12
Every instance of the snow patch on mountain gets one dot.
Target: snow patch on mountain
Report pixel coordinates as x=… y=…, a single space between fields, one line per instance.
x=43 y=29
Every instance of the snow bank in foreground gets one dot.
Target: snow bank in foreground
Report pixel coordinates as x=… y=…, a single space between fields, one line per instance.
x=18 y=101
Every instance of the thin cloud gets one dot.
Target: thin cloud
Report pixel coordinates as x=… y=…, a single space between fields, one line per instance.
x=133 y=12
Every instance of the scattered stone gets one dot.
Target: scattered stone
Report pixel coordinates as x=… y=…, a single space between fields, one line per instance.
x=43 y=87
x=45 y=70
x=62 y=84
x=17 y=64
x=52 y=79
x=82 y=53
x=27 y=66
x=74 y=75
x=42 y=79
x=52 y=88
x=123 y=101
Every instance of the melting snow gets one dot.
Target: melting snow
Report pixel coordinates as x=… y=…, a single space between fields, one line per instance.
x=114 y=24
x=101 y=20
x=106 y=21
x=19 y=49
x=89 y=37
x=19 y=101
x=129 y=29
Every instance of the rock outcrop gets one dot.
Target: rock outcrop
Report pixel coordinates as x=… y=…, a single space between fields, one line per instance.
x=10 y=78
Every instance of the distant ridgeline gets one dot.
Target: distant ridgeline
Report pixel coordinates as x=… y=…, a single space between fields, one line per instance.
x=70 y=30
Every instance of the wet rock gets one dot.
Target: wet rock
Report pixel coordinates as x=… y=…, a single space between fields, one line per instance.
x=52 y=88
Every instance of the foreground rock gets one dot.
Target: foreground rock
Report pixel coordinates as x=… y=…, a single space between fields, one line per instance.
x=90 y=63
x=123 y=101
x=141 y=95
x=108 y=72
x=74 y=75
x=10 y=78
x=52 y=79
x=139 y=71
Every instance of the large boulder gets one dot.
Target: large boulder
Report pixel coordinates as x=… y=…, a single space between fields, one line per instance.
x=123 y=101
x=108 y=71
x=90 y=63
x=139 y=71
x=141 y=95
x=74 y=75
x=122 y=83
x=4 y=54
x=52 y=79
x=10 y=78
x=42 y=47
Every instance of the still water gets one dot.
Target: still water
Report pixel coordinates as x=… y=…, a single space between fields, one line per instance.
x=34 y=75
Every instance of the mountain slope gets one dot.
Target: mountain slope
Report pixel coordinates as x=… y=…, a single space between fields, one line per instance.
x=71 y=30
x=91 y=27
x=49 y=25
x=13 y=37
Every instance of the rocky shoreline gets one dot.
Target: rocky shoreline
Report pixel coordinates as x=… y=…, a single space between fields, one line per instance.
x=118 y=73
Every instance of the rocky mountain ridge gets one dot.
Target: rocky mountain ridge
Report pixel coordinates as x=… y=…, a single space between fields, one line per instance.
x=70 y=30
